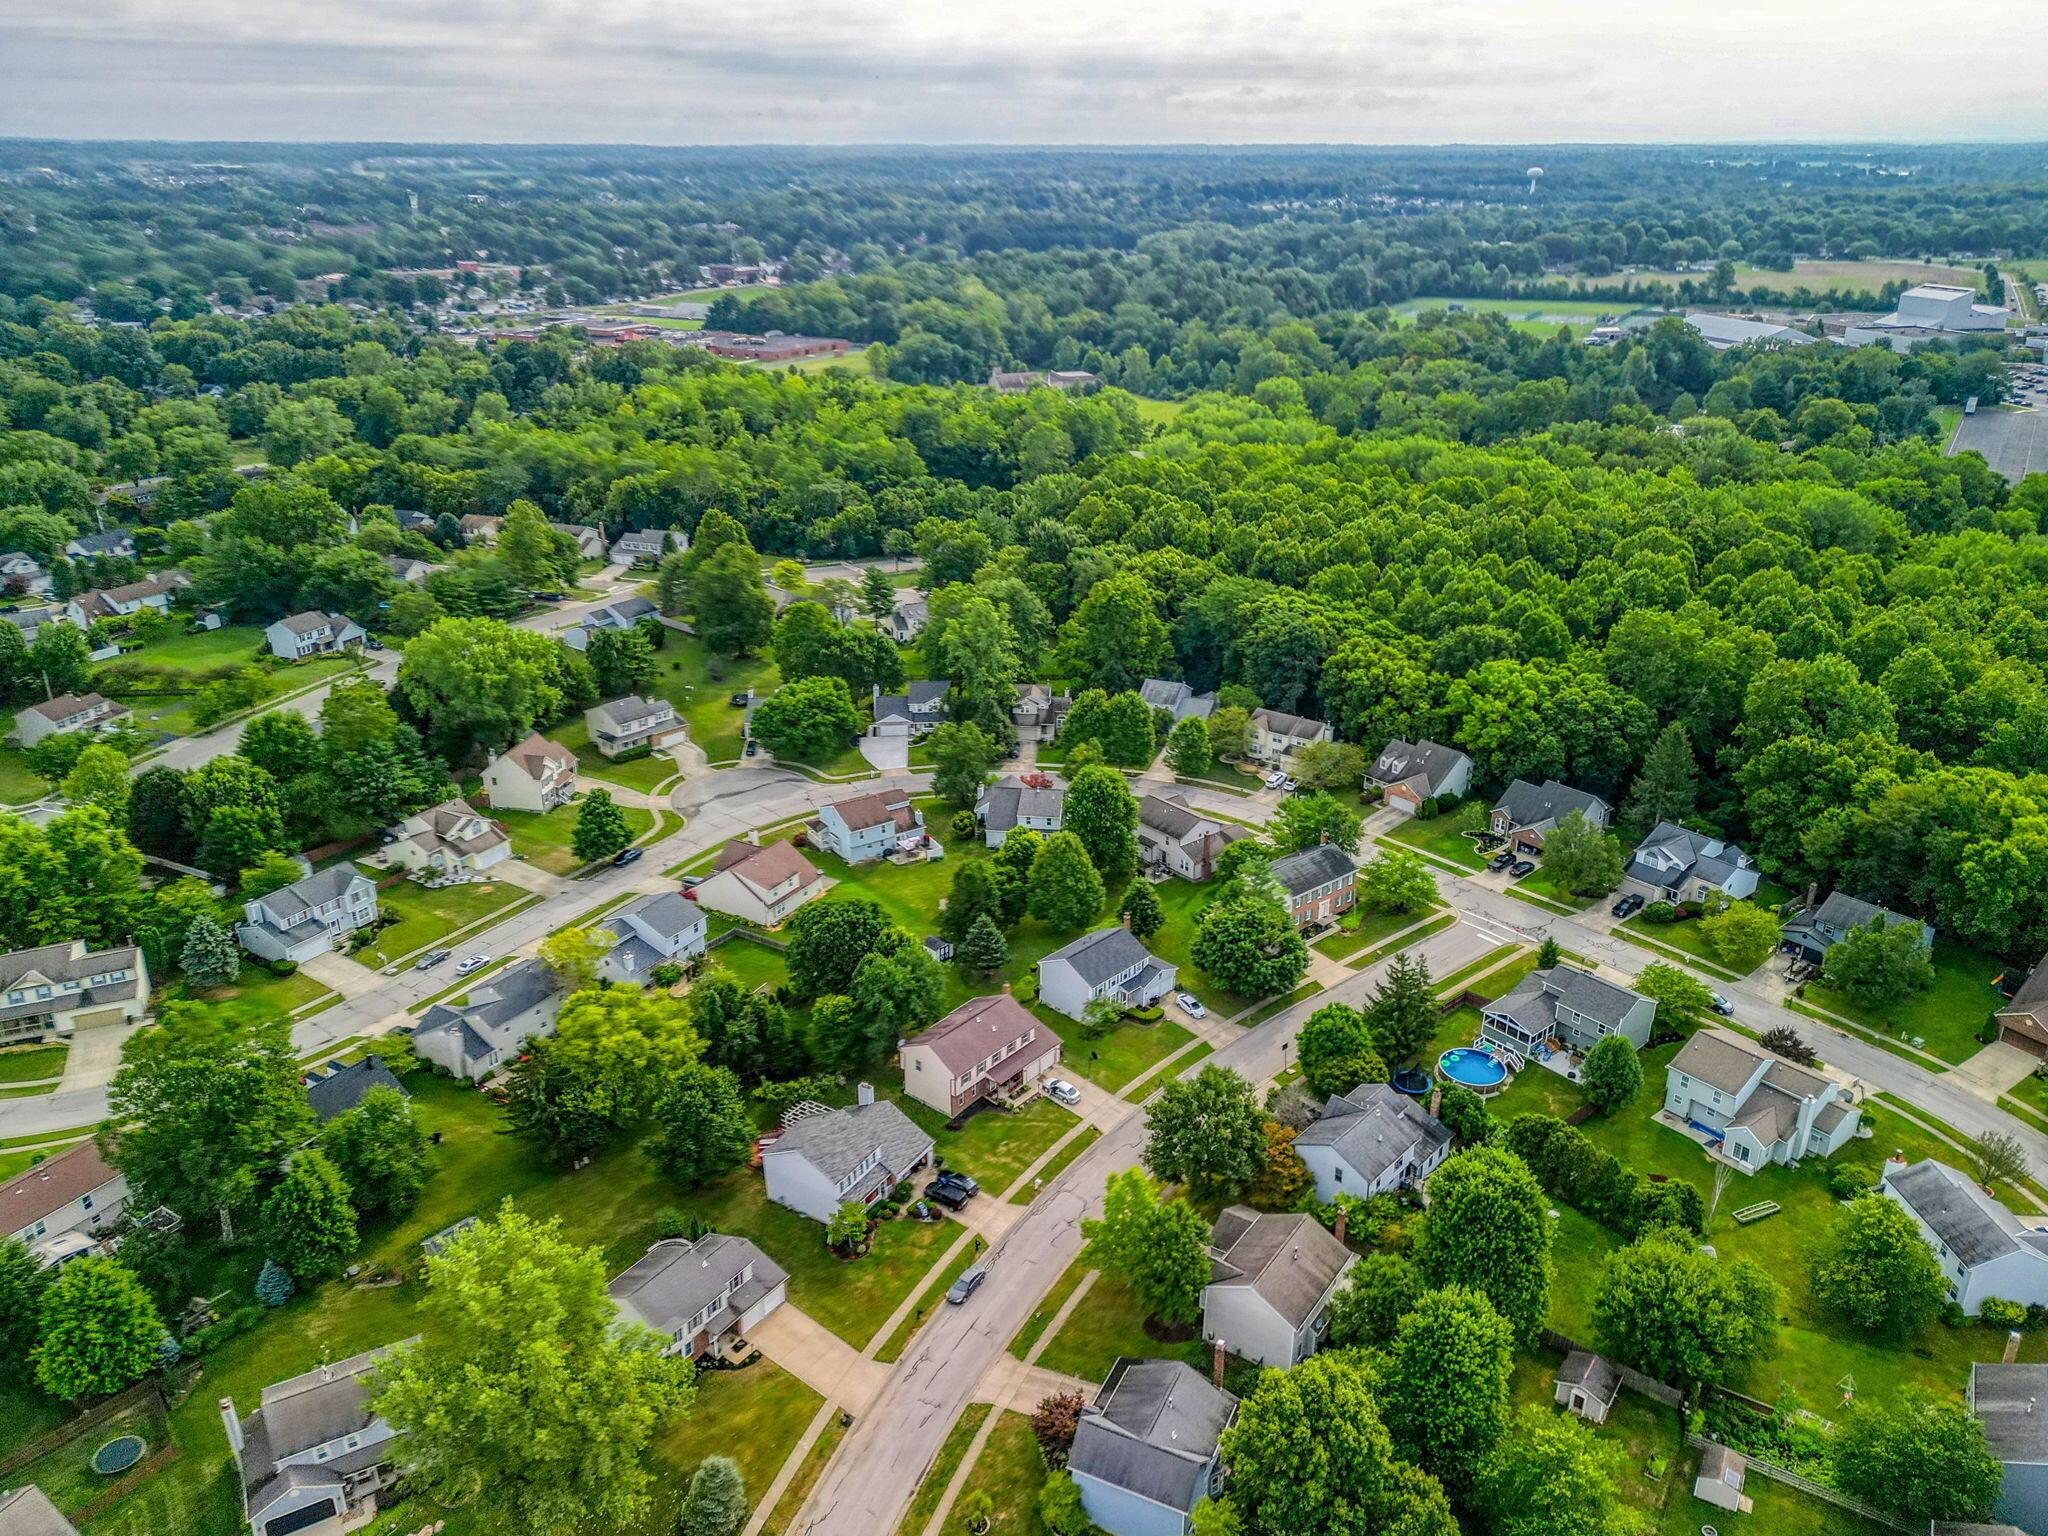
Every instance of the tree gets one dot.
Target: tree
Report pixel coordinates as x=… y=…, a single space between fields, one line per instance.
x=1116 y=638
x=977 y=1511
x=209 y=956
x=716 y=1504
x=1922 y=1456
x=1381 y=1289
x=1876 y=1272
x=734 y=613
x=877 y=593
x=1014 y=857
x=622 y=660
x=1283 y=1178
x=273 y=872
x=1053 y=1423
x=1187 y=748
x=972 y=896
x=583 y=1086
x=847 y=1231
x=527 y=546
x=1250 y=946
x=1210 y=1517
x=1230 y=732
x=1667 y=789
x=1308 y=1451
x=1612 y=1073
x=1999 y=1159
x=701 y=1125
x=898 y=991
x=1329 y=765
x=1549 y=955
x=1444 y=1392
x=1581 y=857
x=1676 y=1312
x=829 y=939
x=100 y=777
x=1396 y=882
x=1879 y=962
x=1065 y=890
x=274 y=1285
x=381 y=1152
x=97 y=1330
x=282 y=744
x=1675 y=992
x=482 y=683
x=308 y=1220
x=1742 y=935
x=573 y=955
x=1488 y=1228
x=1206 y=1132
x=1159 y=1248
x=204 y=1110
x=1402 y=1015
x=156 y=814
x=601 y=829
x=522 y=1395
x=983 y=948
x=1102 y=814
x=22 y=1283
x=961 y=758
x=1465 y=1116
x=1335 y=1051
x=1141 y=911
x=1553 y=1475
x=808 y=719
x=1303 y=821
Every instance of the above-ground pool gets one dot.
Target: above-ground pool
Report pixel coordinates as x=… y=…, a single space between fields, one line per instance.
x=1412 y=1081
x=1471 y=1066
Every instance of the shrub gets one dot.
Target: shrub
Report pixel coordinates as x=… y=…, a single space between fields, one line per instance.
x=1660 y=912
x=1846 y=1181
x=965 y=826
x=1598 y=1184
x=282 y=967
x=1999 y=1313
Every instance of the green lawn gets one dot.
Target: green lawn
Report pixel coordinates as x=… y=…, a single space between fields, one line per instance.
x=642 y=773
x=543 y=838
x=933 y=1295
x=1109 y=1323
x=751 y=965
x=755 y=1415
x=1362 y=929
x=66 y=1474
x=994 y=1146
x=1683 y=936
x=1010 y=1471
x=1945 y=1018
x=26 y=1063
x=18 y=784
x=228 y=646
x=1058 y=1165
x=944 y=1465
x=1159 y=413
x=1439 y=835
x=255 y=996
x=425 y=916
x=1541 y=882
x=700 y=686
x=1120 y=1057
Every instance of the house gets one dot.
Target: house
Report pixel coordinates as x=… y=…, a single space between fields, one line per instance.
x=658 y=929
x=27 y=1511
x=760 y=885
x=1271 y=1276
x=1276 y=737
x=1410 y=772
x=313 y=633
x=1720 y=1479
x=1568 y=1005
x=309 y=917
x=2023 y=1021
x=1145 y=1451
x=1753 y=1107
x=55 y=989
x=1320 y=884
x=1179 y=840
x=1037 y=803
x=448 y=839
x=1677 y=864
x=618 y=726
x=1720 y=332
x=313 y=1456
x=917 y=711
x=866 y=826
x=115 y=543
x=33 y=621
x=334 y=1091
x=479 y=529
x=1528 y=812
x=623 y=614
x=646 y=546
x=1587 y=1385
x=1038 y=712
x=66 y=712
x=1075 y=381
x=589 y=541
x=700 y=1293
x=537 y=775
x=2007 y=1401
x=56 y=1208
x=473 y=1036
x=1370 y=1141
x=1983 y=1249
x=1816 y=930
x=850 y=1156
x=1108 y=963
x=908 y=618
x=23 y=573
x=987 y=1048
x=408 y=570
x=1177 y=699
x=124 y=602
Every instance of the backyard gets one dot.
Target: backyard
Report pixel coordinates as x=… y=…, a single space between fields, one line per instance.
x=543 y=838
x=18 y=783
x=701 y=685
x=426 y=916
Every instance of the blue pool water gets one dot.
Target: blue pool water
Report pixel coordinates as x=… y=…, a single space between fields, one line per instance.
x=1471 y=1067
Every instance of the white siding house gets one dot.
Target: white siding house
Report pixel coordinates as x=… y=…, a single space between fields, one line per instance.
x=1271 y=1279
x=1983 y=1249
x=300 y=635
x=58 y=1208
x=308 y=917
x=1751 y=1108
x=1108 y=963
x=867 y=826
x=536 y=775
x=760 y=885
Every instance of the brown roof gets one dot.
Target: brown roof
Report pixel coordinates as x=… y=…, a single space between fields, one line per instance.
x=767 y=866
x=52 y=1184
x=976 y=1030
x=72 y=703
x=537 y=750
x=871 y=810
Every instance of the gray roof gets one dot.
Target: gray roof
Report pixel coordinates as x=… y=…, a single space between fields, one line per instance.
x=102 y=543
x=1592 y=1374
x=628 y=610
x=1153 y=1429
x=666 y=912
x=1429 y=761
x=1841 y=912
x=297 y=1414
x=285 y=905
x=631 y=709
x=1718 y=1059
x=29 y=1512
x=927 y=693
x=1536 y=805
x=839 y=1141
x=311 y=621
x=1102 y=954
x=1290 y=1261
x=1976 y=1228
x=676 y=1279
x=482 y=1020
x=1179 y=698
x=1698 y=853
x=1537 y=999
x=342 y=1089
x=1299 y=873
x=1374 y=1128
x=1006 y=804
x=1298 y=727
x=2008 y=1401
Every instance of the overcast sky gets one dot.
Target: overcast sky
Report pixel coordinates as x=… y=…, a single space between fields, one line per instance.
x=1021 y=71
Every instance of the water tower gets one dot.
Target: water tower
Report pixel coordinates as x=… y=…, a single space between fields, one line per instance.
x=1535 y=175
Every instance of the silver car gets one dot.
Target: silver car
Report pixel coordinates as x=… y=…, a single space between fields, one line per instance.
x=1058 y=1088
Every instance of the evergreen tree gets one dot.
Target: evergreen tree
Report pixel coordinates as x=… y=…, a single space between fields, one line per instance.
x=274 y=1285
x=1667 y=788
x=984 y=949
x=973 y=896
x=1403 y=1013
x=877 y=593
x=601 y=829
x=716 y=1504
x=209 y=957
x=308 y=1220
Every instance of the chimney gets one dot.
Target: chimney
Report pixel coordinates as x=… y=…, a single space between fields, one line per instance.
x=1343 y=1221
x=233 y=1421
x=1436 y=1101
x=2012 y=1347
x=1127 y=922
x=1006 y=989
x=1216 y=1365
x=1323 y=839
x=864 y=1093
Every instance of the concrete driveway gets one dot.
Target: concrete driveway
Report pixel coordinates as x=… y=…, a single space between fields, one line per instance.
x=1994 y=1070
x=819 y=1358
x=337 y=972
x=94 y=1056
x=890 y=754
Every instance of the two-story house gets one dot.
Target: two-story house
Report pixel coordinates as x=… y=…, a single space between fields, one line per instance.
x=1271 y=1276
x=1035 y=802
x=1108 y=963
x=589 y=541
x=1371 y=1141
x=54 y=989
x=646 y=546
x=849 y=1156
x=701 y=1294
x=299 y=635
x=1813 y=931
x=1751 y=1108
x=1319 y=884
x=475 y=1035
x=987 y=1048
x=1984 y=1250
x=618 y=726
x=623 y=614
x=447 y=839
x=536 y=775
x=649 y=931
x=313 y=1457
x=1528 y=812
x=866 y=826
x=124 y=602
x=1677 y=864
x=66 y=712
x=308 y=917
x=761 y=885
x=479 y=528
x=1277 y=737
x=1038 y=711
x=2023 y=1021
x=1145 y=1451
x=23 y=573
x=1179 y=840
x=907 y=619
x=1411 y=772
x=59 y=1208
x=1176 y=698
x=1570 y=1007
x=114 y=544
x=917 y=711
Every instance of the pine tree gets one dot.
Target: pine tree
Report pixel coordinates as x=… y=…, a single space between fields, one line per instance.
x=274 y=1285
x=878 y=594
x=601 y=829
x=209 y=957
x=716 y=1504
x=1403 y=1015
x=984 y=948
x=1667 y=788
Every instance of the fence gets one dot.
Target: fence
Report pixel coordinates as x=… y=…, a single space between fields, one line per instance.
x=1820 y=1490
x=747 y=935
x=71 y=1428
x=1634 y=1380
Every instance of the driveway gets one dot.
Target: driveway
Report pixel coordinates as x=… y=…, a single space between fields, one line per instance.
x=819 y=1358
x=1994 y=1070
x=337 y=972
x=890 y=754
x=94 y=1055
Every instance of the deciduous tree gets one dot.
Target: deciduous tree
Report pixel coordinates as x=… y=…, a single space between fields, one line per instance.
x=1303 y=821
x=96 y=1329
x=1102 y=814
x=601 y=829
x=701 y=1125
x=1612 y=1073
x=1581 y=857
x=1922 y=1456
x=1396 y=882
x=807 y=720
x=961 y=758
x=382 y=1153
x=309 y=1223
x=1552 y=1475
x=1206 y=1132
x=1876 y=1272
x=1445 y=1388
x=1879 y=962
x=1065 y=890
x=1159 y=1248
x=1676 y=1312
x=1488 y=1228
x=1381 y=1289
x=1249 y=946
x=1335 y=1051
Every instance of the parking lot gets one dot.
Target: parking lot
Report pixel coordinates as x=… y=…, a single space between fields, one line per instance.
x=2015 y=443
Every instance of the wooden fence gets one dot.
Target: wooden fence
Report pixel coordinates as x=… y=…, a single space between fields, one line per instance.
x=1634 y=1380
x=1807 y=1485
x=71 y=1428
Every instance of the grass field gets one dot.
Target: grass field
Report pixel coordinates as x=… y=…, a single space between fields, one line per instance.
x=18 y=784
x=1945 y=1018
x=1544 y=315
x=228 y=646
x=641 y=773
x=700 y=686
x=1859 y=276
x=932 y=1295
x=66 y=1475
x=26 y=1063
x=543 y=839
x=1159 y=413
x=1058 y=1163
x=255 y=996
x=1440 y=836
x=755 y=1415
x=426 y=916
x=1010 y=1471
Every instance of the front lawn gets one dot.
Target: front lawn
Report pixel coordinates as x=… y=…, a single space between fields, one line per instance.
x=1439 y=835
x=426 y=916
x=1542 y=882
x=1683 y=936
x=28 y=1063
x=255 y=996
x=1945 y=1018
x=1122 y=1056
x=229 y=646
x=641 y=773
x=755 y=1415
x=944 y=1465
x=1368 y=929
x=996 y=1145
x=543 y=839
x=1010 y=1471
x=18 y=785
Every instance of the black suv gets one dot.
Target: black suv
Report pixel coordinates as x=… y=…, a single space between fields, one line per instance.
x=960 y=1181
x=951 y=1196
x=1628 y=906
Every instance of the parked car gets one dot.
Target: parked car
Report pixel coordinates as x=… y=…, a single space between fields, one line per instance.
x=953 y=1178
x=430 y=959
x=946 y=1194
x=1628 y=906
x=546 y=597
x=1060 y=1089
x=372 y=643
x=739 y=700
x=1191 y=1005
x=1522 y=867
x=968 y=1283
x=1501 y=861
x=471 y=964
x=1275 y=780
x=691 y=882
x=752 y=747
x=1723 y=1007
x=690 y=892
x=626 y=856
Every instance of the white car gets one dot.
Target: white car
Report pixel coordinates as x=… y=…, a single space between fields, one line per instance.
x=1290 y=785
x=471 y=964
x=1191 y=1005
x=1062 y=1090
x=1275 y=780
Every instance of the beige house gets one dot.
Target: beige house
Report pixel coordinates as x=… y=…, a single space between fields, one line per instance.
x=987 y=1048
x=760 y=885
x=536 y=775
x=1277 y=737
x=66 y=712
x=618 y=726
x=448 y=839
x=59 y=1208
x=56 y=988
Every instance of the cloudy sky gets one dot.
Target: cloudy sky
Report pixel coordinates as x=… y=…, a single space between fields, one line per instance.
x=1020 y=71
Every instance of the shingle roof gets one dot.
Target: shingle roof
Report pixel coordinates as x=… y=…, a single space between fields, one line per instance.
x=2009 y=1401
x=666 y=912
x=1299 y=873
x=317 y=889
x=67 y=704
x=927 y=693
x=1296 y=727
x=1290 y=1260
x=51 y=1184
x=482 y=1020
x=310 y=622
x=1178 y=698
x=1102 y=954
x=1593 y=1374
x=977 y=1029
x=1718 y=1059
x=533 y=754
x=1153 y=1427
x=1374 y=1128
x=103 y=543
x=1542 y=992
x=767 y=866
x=676 y=1279
x=839 y=1141
x=873 y=810
x=1427 y=761
x=1536 y=805
x=311 y=1409
x=1976 y=1227
x=630 y=710
x=1006 y=804
x=342 y=1089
